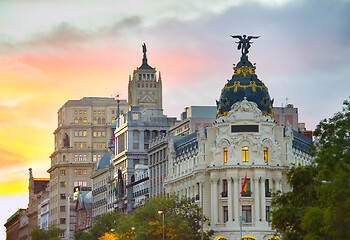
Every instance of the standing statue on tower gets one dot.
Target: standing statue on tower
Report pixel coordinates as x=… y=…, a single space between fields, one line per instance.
x=244 y=43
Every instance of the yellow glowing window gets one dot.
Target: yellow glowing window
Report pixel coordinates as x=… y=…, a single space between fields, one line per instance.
x=103 y=112
x=85 y=120
x=84 y=111
x=94 y=121
x=99 y=112
x=94 y=145
x=113 y=120
x=225 y=155
x=84 y=133
x=94 y=112
x=76 y=111
x=80 y=112
x=245 y=154
x=266 y=155
x=76 y=120
x=63 y=172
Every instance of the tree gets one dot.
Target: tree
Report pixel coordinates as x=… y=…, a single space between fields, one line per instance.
x=318 y=206
x=51 y=233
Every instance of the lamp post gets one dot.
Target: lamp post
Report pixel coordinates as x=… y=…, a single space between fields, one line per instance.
x=162 y=213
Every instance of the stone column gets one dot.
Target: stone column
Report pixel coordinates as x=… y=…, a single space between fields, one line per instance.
x=256 y=200
x=215 y=200
x=130 y=140
x=229 y=199
x=236 y=199
x=263 y=200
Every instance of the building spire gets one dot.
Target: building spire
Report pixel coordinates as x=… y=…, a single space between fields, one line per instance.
x=160 y=77
x=144 y=50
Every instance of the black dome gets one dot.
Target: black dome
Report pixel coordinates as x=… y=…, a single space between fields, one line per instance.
x=244 y=83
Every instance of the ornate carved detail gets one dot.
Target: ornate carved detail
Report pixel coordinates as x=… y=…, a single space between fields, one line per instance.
x=246 y=106
x=244 y=70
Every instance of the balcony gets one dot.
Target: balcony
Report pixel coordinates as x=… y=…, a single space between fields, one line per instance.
x=247 y=194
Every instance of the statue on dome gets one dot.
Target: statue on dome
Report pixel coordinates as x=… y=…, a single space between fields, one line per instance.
x=244 y=43
x=144 y=49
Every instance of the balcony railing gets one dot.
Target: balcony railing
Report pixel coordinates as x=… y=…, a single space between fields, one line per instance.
x=223 y=194
x=267 y=194
x=247 y=194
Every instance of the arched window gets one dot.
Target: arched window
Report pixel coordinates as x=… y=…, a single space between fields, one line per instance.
x=99 y=120
x=94 y=121
x=266 y=154
x=76 y=120
x=64 y=158
x=225 y=154
x=103 y=121
x=80 y=120
x=85 y=120
x=245 y=154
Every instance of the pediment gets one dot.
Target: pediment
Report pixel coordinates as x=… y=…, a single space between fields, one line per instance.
x=147 y=99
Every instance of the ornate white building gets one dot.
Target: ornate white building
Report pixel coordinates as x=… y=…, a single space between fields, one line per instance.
x=210 y=166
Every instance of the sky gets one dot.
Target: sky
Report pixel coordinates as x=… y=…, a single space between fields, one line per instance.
x=53 y=51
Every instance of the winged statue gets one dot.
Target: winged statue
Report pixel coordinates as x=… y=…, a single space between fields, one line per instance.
x=244 y=43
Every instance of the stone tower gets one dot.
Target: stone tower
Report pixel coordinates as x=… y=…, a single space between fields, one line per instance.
x=145 y=89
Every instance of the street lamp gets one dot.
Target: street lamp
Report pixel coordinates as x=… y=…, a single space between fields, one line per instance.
x=161 y=212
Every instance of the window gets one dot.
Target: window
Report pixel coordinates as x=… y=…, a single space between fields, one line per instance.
x=63 y=172
x=94 y=121
x=225 y=155
x=103 y=134
x=103 y=112
x=247 y=213
x=94 y=112
x=224 y=188
x=84 y=111
x=267 y=188
x=98 y=134
x=76 y=157
x=225 y=214
x=75 y=133
x=62 y=221
x=84 y=157
x=268 y=213
x=245 y=156
x=63 y=196
x=80 y=111
x=94 y=145
x=62 y=208
x=76 y=111
x=80 y=133
x=94 y=158
x=103 y=121
x=85 y=119
x=63 y=184
x=84 y=133
x=266 y=155
x=76 y=120
x=248 y=193
x=99 y=112
x=80 y=120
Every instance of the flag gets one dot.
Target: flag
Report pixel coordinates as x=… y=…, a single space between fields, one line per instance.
x=115 y=191
x=244 y=186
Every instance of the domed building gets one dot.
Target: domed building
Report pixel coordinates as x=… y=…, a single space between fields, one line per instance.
x=231 y=169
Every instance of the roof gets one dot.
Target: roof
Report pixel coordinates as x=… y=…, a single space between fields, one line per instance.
x=40 y=184
x=301 y=142
x=104 y=161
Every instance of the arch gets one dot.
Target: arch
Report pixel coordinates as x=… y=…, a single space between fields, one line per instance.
x=223 y=140
x=274 y=238
x=267 y=142
x=220 y=238
x=247 y=238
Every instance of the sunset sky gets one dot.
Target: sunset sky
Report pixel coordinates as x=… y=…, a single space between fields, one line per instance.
x=53 y=51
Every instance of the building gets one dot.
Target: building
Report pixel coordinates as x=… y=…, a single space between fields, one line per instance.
x=140 y=185
x=13 y=225
x=134 y=131
x=83 y=208
x=81 y=139
x=283 y=115
x=192 y=118
x=43 y=213
x=231 y=168
x=145 y=88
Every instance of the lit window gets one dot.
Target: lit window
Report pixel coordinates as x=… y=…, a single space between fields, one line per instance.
x=76 y=120
x=94 y=121
x=84 y=111
x=99 y=112
x=76 y=157
x=94 y=158
x=94 y=134
x=80 y=133
x=113 y=120
x=75 y=133
x=84 y=157
x=94 y=112
x=80 y=120
x=63 y=172
x=84 y=144
x=103 y=134
x=245 y=157
x=80 y=112
x=266 y=155
x=103 y=145
x=94 y=145
x=76 y=111
x=75 y=171
x=225 y=155
x=103 y=112
x=99 y=134
x=84 y=133
x=85 y=120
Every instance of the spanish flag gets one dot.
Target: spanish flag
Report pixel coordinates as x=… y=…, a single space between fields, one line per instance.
x=244 y=186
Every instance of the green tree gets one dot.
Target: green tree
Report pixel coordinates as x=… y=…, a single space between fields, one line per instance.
x=318 y=206
x=51 y=233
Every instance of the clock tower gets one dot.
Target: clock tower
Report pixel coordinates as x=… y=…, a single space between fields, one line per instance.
x=145 y=88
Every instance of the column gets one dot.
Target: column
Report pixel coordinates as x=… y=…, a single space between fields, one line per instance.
x=130 y=140
x=235 y=199
x=263 y=200
x=229 y=198
x=212 y=202
x=256 y=200
x=215 y=200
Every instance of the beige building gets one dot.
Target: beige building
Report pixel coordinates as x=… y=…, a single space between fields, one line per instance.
x=145 y=88
x=80 y=141
x=231 y=168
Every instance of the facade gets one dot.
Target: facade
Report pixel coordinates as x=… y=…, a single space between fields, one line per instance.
x=140 y=185
x=43 y=213
x=192 y=118
x=80 y=141
x=134 y=131
x=83 y=209
x=13 y=225
x=103 y=193
x=231 y=168
x=145 y=88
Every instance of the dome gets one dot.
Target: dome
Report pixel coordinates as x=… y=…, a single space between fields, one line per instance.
x=244 y=83
x=104 y=161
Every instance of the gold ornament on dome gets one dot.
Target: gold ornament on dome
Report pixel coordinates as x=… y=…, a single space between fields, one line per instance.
x=252 y=84
x=244 y=70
